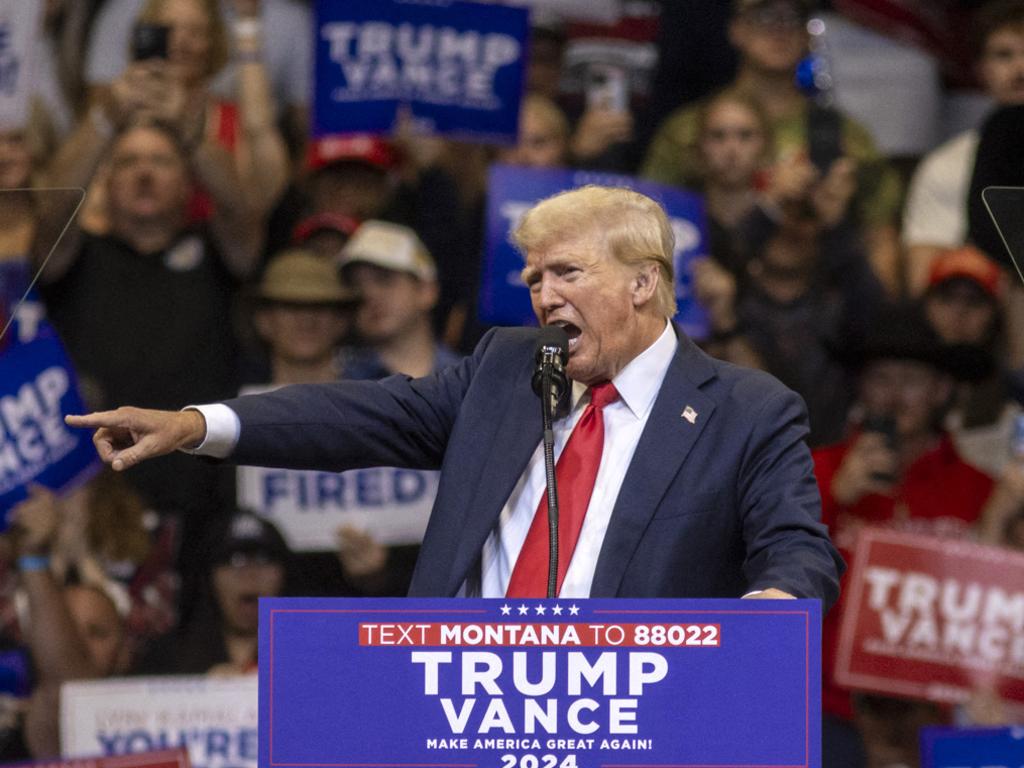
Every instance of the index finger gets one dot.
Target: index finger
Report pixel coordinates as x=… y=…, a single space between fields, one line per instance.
x=95 y=420
x=104 y=446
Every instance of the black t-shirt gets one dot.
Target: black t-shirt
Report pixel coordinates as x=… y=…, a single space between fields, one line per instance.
x=151 y=330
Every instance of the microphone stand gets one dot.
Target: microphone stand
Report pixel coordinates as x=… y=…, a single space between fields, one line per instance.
x=547 y=407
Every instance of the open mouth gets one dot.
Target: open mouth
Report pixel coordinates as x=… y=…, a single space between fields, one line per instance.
x=249 y=601
x=572 y=331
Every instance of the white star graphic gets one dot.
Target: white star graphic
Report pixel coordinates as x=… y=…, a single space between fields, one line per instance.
x=574 y=610
x=505 y=610
x=557 y=610
x=540 y=610
x=523 y=610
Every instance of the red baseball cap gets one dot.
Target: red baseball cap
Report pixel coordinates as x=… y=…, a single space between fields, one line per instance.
x=969 y=263
x=351 y=147
x=319 y=222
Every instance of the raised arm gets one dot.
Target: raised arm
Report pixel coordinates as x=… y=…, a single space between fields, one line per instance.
x=235 y=224
x=73 y=167
x=263 y=156
x=57 y=648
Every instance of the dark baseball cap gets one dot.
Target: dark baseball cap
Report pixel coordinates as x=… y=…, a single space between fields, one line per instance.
x=246 y=533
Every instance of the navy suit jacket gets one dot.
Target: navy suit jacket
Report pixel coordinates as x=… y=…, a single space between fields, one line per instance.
x=713 y=508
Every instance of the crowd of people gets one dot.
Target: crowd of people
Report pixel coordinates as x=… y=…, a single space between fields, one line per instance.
x=220 y=248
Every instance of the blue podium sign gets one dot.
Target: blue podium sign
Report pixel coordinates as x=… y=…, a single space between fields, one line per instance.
x=972 y=747
x=539 y=683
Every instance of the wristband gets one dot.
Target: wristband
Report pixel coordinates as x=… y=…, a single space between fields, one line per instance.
x=33 y=563
x=247 y=30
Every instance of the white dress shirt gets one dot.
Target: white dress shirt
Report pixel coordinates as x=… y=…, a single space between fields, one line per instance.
x=624 y=420
x=638 y=385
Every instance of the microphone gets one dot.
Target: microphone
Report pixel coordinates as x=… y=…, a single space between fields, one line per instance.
x=550 y=356
x=550 y=383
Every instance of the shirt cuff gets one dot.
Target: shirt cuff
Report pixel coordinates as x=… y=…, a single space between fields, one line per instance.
x=222 y=430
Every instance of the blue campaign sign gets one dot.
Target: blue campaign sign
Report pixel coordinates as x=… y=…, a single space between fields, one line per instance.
x=458 y=66
x=972 y=747
x=37 y=388
x=539 y=683
x=505 y=300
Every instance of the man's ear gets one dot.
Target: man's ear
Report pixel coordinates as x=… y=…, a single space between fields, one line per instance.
x=645 y=283
x=429 y=292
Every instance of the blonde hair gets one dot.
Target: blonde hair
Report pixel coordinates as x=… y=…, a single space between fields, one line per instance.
x=37 y=133
x=692 y=161
x=116 y=529
x=633 y=228
x=219 y=50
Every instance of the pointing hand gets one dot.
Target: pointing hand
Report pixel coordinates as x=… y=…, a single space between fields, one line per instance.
x=127 y=436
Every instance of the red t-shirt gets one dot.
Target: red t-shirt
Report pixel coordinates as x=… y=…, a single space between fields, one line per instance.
x=939 y=494
x=224 y=124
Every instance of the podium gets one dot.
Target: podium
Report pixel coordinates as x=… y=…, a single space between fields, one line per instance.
x=1004 y=206
x=539 y=683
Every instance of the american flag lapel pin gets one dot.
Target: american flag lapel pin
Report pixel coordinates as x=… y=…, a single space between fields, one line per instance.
x=689 y=414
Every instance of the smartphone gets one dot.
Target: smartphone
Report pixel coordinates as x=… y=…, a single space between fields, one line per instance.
x=607 y=87
x=149 y=41
x=824 y=136
x=884 y=425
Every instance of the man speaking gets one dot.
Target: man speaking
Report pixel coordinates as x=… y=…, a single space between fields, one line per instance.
x=678 y=475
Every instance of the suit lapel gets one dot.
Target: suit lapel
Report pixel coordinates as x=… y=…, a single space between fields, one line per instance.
x=517 y=437
x=664 y=445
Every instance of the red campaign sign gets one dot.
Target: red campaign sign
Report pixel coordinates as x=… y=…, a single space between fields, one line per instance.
x=932 y=618
x=164 y=758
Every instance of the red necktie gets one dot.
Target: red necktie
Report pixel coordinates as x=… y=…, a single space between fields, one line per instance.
x=575 y=473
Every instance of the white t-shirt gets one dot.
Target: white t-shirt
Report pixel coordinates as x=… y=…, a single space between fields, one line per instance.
x=936 y=209
x=986 y=447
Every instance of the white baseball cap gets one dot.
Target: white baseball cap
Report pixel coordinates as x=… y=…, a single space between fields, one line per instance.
x=389 y=246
